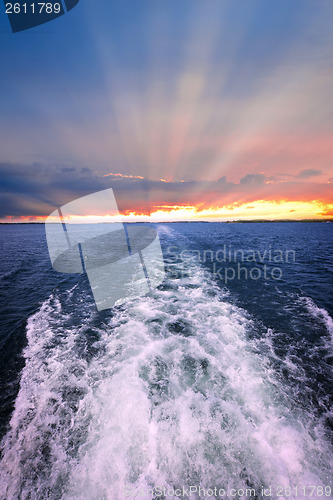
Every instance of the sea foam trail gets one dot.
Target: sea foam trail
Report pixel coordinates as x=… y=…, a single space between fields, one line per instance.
x=168 y=391
x=319 y=313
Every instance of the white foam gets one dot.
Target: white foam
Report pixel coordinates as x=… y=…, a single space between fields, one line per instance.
x=174 y=395
x=319 y=313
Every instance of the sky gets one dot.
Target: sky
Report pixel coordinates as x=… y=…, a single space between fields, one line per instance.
x=189 y=110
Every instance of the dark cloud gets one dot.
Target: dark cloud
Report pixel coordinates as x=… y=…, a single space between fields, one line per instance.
x=310 y=172
x=253 y=179
x=68 y=169
x=37 y=190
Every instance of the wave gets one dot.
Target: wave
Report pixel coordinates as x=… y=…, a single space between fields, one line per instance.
x=170 y=390
x=319 y=313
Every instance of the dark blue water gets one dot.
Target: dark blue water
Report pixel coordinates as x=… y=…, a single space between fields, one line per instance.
x=222 y=377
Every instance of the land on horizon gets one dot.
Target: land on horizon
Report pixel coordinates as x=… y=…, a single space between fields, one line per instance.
x=188 y=221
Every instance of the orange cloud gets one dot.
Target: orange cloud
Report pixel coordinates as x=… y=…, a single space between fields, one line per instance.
x=267 y=210
x=37 y=195
x=124 y=176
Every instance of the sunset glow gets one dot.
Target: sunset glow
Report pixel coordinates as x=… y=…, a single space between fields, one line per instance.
x=259 y=210
x=215 y=112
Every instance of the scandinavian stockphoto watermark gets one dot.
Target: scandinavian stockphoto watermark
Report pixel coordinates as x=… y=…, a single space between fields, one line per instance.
x=228 y=263
x=121 y=261
x=126 y=261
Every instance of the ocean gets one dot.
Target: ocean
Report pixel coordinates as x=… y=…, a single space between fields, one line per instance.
x=218 y=384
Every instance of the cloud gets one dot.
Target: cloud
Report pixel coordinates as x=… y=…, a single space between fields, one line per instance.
x=310 y=172
x=222 y=94
x=36 y=190
x=124 y=175
x=253 y=179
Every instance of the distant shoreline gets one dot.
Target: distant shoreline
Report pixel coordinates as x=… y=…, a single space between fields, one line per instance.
x=261 y=221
